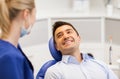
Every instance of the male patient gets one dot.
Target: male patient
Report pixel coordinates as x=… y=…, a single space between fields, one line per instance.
x=74 y=64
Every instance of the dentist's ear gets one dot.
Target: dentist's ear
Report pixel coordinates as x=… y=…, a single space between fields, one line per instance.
x=26 y=16
x=26 y=13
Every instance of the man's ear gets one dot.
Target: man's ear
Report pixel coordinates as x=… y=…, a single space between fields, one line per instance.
x=56 y=47
x=79 y=38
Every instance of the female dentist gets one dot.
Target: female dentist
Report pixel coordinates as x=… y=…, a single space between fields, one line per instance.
x=16 y=20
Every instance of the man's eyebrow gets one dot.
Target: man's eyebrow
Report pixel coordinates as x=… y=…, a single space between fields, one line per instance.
x=65 y=30
x=68 y=29
x=58 y=33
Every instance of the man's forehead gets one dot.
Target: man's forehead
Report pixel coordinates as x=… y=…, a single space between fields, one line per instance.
x=63 y=28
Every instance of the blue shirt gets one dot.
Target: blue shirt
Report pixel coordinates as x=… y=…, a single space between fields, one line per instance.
x=13 y=63
x=70 y=68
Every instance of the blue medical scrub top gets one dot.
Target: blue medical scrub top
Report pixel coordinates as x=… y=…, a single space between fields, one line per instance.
x=13 y=62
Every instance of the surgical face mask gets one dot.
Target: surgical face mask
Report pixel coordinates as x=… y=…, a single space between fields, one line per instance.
x=25 y=31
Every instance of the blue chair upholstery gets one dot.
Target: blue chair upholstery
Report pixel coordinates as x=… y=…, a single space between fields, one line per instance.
x=55 y=54
x=41 y=73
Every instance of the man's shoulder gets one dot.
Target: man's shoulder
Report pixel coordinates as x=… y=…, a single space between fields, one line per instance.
x=56 y=65
x=56 y=68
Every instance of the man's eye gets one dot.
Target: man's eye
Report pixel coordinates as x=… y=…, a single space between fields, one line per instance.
x=69 y=32
x=58 y=36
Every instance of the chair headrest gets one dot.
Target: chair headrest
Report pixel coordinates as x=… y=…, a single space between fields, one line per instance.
x=54 y=52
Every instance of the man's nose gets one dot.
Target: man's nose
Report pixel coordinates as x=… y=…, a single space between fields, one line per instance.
x=66 y=36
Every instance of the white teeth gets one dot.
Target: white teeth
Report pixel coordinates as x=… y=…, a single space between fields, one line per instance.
x=68 y=42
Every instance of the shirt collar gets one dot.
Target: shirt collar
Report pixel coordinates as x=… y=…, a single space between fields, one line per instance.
x=72 y=59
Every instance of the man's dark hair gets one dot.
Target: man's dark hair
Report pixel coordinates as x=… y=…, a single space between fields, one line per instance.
x=59 y=24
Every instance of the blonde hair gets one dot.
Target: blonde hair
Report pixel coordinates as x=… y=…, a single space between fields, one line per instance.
x=9 y=9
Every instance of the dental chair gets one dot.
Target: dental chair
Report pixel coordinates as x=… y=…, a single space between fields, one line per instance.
x=57 y=57
x=55 y=54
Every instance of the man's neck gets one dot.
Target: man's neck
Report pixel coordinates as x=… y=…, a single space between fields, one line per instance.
x=78 y=55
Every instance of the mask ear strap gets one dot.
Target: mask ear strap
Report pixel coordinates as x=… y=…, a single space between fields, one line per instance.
x=30 y=25
x=29 y=29
x=23 y=30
